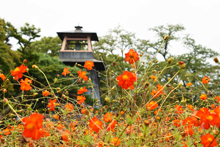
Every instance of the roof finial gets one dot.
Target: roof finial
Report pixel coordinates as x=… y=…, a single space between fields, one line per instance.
x=78 y=27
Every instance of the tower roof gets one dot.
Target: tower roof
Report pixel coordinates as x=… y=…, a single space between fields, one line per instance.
x=78 y=33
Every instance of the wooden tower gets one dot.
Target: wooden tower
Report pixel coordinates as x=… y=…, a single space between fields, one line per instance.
x=77 y=48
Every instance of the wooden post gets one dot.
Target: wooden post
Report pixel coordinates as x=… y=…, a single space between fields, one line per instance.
x=89 y=43
x=64 y=44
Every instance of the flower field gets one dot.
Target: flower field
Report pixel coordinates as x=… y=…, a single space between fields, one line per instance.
x=139 y=110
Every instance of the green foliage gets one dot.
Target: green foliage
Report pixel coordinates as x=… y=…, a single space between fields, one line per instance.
x=8 y=58
x=47 y=45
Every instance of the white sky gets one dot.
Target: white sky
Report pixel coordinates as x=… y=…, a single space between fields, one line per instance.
x=199 y=17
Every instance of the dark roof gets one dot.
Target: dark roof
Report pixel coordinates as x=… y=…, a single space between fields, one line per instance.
x=78 y=33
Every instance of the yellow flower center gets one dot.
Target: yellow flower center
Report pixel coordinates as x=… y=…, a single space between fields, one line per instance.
x=209 y=139
x=125 y=77
x=209 y=118
x=30 y=126
x=17 y=69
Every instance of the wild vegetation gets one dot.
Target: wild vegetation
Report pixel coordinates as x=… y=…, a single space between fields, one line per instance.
x=146 y=102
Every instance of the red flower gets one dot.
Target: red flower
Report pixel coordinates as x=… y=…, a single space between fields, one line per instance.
x=81 y=99
x=111 y=125
x=203 y=97
x=206 y=117
x=88 y=65
x=95 y=124
x=56 y=116
x=18 y=72
x=45 y=93
x=176 y=122
x=82 y=74
x=205 y=80
x=152 y=105
x=156 y=93
x=190 y=107
x=32 y=126
x=108 y=117
x=65 y=135
x=2 y=76
x=25 y=84
x=52 y=104
x=131 y=56
x=126 y=80
x=189 y=131
x=116 y=141
x=65 y=71
x=69 y=107
x=81 y=90
x=207 y=140
x=189 y=84
x=217 y=98
x=179 y=109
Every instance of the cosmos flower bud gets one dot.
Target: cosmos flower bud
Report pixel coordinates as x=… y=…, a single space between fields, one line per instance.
x=166 y=37
x=170 y=60
x=216 y=60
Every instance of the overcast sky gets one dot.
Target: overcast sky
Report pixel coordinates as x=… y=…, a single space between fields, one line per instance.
x=199 y=17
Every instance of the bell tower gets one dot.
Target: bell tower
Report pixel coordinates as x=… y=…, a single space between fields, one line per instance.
x=77 y=48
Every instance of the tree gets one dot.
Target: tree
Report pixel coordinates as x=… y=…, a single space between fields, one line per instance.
x=8 y=58
x=47 y=45
x=161 y=31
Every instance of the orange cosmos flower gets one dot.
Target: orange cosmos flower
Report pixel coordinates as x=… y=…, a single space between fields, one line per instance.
x=52 y=104
x=56 y=116
x=205 y=80
x=2 y=76
x=203 y=97
x=82 y=74
x=153 y=77
x=83 y=111
x=126 y=80
x=60 y=126
x=190 y=107
x=65 y=71
x=131 y=56
x=116 y=141
x=81 y=90
x=189 y=84
x=207 y=139
x=169 y=137
x=69 y=107
x=88 y=65
x=8 y=130
x=111 y=125
x=65 y=135
x=100 y=144
x=122 y=112
x=18 y=72
x=45 y=93
x=206 y=117
x=176 y=122
x=32 y=126
x=156 y=93
x=95 y=124
x=108 y=117
x=152 y=105
x=25 y=84
x=179 y=109
x=217 y=117
x=81 y=99
x=189 y=130
x=217 y=98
